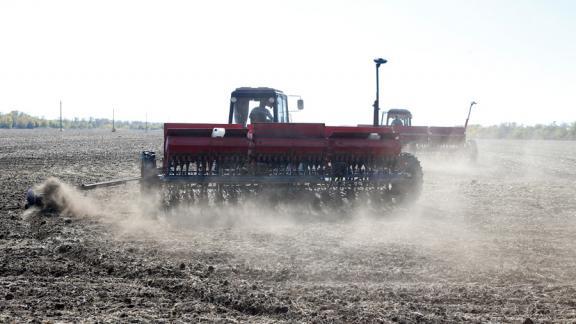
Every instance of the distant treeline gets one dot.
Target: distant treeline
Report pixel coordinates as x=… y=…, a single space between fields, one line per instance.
x=554 y=131
x=563 y=131
x=16 y=119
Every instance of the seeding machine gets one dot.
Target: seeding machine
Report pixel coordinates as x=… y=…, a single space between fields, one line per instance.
x=280 y=160
x=260 y=153
x=451 y=140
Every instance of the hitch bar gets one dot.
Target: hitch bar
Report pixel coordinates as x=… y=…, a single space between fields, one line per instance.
x=36 y=199
x=90 y=186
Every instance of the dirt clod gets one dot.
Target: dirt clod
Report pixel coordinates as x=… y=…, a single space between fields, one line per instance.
x=64 y=248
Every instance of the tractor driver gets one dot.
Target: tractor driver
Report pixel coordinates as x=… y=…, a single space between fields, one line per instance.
x=261 y=114
x=397 y=121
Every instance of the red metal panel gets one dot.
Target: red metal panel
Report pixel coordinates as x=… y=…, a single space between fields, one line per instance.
x=290 y=146
x=288 y=130
x=343 y=131
x=199 y=125
x=187 y=138
x=413 y=134
x=172 y=128
x=447 y=135
x=447 y=131
x=365 y=147
x=361 y=140
x=431 y=135
x=205 y=145
x=289 y=139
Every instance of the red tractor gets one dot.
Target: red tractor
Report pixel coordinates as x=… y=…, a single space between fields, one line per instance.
x=260 y=151
x=435 y=138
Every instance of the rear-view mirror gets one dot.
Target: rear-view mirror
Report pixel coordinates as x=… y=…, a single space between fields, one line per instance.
x=300 y=104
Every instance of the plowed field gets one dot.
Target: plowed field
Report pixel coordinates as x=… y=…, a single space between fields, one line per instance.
x=491 y=241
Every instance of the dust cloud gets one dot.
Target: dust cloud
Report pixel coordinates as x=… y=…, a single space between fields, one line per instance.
x=473 y=220
x=63 y=198
x=66 y=200
x=253 y=230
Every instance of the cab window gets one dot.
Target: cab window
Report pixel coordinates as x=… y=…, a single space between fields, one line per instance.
x=282 y=109
x=249 y=110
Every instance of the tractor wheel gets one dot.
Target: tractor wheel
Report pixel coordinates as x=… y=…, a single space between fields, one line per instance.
x=410 y=169
x=148 y=172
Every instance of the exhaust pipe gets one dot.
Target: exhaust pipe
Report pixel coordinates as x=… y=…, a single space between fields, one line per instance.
x=469 y=111
x=378 y=61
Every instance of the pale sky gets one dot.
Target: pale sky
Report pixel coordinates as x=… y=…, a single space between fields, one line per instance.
x=178 y=61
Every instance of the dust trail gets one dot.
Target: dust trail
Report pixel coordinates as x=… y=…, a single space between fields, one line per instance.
x=59 y=196
x=437 y=226
x=133 y=212
x=433 y=225
x=129 y=215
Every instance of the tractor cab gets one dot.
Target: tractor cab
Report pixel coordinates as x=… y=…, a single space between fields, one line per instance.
x=398 y=117
x=259 y=105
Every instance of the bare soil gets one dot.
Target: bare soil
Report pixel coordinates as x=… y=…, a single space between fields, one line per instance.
x=487 y=242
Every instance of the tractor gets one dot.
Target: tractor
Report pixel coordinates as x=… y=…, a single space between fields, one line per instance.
x=430 y=138
x=260 y=153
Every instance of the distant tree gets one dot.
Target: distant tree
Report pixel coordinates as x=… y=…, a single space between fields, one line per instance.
x=572 y=131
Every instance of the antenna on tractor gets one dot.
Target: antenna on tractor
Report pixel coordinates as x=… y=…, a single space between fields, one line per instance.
x=469 y=111
x=378 y=61
x=60 y=115
x=113 y=126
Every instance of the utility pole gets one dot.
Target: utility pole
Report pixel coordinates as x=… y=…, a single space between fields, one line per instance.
x=146 y=122
x=60 y=115
x=113 y=126
x=378 y=61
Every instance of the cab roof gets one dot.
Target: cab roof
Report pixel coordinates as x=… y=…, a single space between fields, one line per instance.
x=400 y=112
x=255 y=92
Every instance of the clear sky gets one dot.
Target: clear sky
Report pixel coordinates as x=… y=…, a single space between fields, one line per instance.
x=179 y=60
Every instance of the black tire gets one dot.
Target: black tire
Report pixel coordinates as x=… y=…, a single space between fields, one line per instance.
x=148 y=172
x=408 y=166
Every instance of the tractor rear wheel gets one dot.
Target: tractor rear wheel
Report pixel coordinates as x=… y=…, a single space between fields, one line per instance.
x=148 y=172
